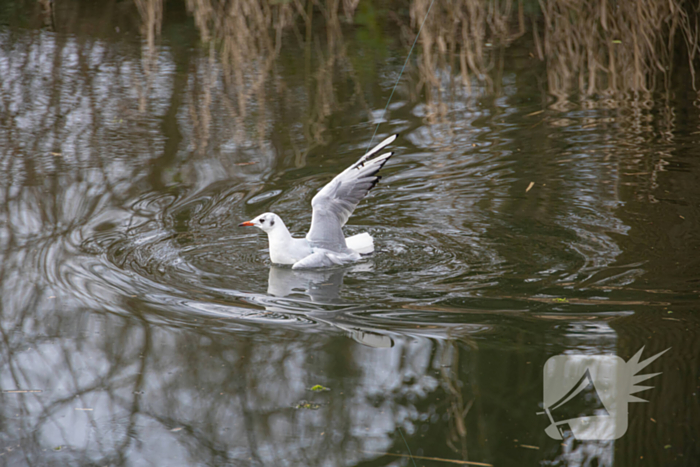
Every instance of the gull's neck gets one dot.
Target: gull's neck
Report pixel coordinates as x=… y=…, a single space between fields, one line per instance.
x=279 y=235
x=285 y=249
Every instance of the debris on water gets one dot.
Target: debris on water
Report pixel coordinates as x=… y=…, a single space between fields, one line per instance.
x=307 y=405
x=560 y=300
x=534 y=113
x=529 y=187
x=438 y=459
x=175 y=430
x=319 y=388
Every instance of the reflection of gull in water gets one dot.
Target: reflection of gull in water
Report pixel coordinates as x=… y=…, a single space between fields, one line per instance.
x=321 y=286
x=325 y=245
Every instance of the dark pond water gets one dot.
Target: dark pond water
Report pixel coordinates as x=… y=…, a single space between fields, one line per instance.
x=516 y=222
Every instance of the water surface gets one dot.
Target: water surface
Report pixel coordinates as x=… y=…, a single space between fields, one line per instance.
x=140 y=326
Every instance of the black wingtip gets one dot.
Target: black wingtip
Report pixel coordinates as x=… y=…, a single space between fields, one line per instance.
x=375 y=181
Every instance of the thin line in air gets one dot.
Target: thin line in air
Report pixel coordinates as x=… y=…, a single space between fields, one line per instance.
x=400 y=74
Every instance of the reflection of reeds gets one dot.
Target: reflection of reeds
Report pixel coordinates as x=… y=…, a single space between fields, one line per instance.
x=47 y=13
x=459 y=402
x=245 y=38
x=611 y=46
x=151 y=12
x=457 y=407
x=248 y=35
x=589 y=47
x=463 y=30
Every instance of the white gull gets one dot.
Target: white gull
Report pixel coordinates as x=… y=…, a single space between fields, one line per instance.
x=325 y=245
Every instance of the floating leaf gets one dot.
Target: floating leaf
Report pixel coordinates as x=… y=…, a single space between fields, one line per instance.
x=560 y=300
x=318 y=388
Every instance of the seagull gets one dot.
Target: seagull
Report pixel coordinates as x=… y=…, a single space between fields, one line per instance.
x=325 y=245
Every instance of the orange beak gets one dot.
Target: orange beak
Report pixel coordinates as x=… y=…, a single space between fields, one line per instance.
x=246 y=224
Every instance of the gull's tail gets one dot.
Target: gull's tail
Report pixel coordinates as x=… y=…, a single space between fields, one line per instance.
x=361 y=243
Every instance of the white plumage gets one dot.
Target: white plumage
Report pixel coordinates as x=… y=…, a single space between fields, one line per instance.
x=325 y=244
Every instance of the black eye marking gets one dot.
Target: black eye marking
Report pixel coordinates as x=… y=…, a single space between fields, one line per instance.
x=272 y=222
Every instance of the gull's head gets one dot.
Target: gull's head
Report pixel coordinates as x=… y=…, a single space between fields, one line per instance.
x=266 y=222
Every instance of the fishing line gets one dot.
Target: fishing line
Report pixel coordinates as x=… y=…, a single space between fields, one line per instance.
x=400 y=74
x=415 y=41
x=400 y=432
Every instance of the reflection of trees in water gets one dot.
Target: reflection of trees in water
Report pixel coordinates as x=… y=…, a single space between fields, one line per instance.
x=124 y=390
x=77 y=148
x=82 y=128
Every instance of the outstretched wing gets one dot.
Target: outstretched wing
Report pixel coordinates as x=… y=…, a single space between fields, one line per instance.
x=333 y=205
